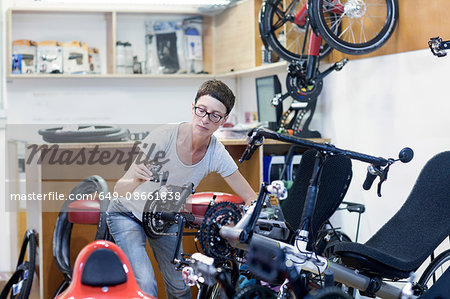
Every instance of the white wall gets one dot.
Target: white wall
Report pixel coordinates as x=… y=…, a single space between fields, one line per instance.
x=110 y=101
x=378 y=106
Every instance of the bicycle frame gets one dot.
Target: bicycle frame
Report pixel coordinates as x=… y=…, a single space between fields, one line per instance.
x=296 y=257
x=314 y=43
x=315 y=40
x=304 y=81
x=310 y=262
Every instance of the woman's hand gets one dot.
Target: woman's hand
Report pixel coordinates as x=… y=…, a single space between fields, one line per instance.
x=141 y=173
x=135 y=175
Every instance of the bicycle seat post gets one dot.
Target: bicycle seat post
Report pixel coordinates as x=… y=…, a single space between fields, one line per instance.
x=302 y=238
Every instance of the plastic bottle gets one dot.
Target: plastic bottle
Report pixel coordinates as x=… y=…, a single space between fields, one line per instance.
x=120 y=57
x=128 y=58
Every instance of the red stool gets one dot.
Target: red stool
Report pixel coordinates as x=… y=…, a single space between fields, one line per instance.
x=102 y=271
x=85 y=211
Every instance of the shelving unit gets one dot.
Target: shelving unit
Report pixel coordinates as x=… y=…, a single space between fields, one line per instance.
x=231 y=43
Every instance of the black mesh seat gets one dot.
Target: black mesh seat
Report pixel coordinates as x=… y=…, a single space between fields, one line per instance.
x=411 y=235
x=334 y=182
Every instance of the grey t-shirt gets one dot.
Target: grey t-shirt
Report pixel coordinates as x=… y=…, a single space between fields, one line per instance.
x=160 y=146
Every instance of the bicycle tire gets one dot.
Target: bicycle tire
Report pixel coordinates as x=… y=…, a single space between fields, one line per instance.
x=371 y=35
x=297 y=44
x=441 y=260
x=85 y=133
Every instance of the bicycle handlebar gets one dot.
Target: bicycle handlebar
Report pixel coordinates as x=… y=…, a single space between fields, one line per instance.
x=257 y=136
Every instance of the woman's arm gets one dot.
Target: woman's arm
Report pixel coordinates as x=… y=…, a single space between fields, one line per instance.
x=240 y=185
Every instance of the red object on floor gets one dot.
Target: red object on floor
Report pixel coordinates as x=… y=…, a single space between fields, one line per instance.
x=103 y=271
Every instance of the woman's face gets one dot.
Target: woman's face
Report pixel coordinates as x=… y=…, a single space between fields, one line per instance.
x=214 y=109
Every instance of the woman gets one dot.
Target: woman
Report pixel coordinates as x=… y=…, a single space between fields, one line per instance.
x=188 y=152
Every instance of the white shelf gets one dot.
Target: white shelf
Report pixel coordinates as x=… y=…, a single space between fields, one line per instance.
x=108 y=76
x=138 y=9
x=259 y=71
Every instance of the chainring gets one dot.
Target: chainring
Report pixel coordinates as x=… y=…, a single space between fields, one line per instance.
x=217 y=216
x=301 y=91
x=153 y=226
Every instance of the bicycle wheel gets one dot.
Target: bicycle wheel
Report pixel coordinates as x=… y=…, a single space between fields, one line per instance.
x=365 y=25
x=436 y=268
x=276 y=17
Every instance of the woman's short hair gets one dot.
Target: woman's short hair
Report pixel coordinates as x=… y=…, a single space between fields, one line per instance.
x=218 y=90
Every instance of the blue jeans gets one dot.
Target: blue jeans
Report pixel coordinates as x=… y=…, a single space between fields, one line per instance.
x=129 y=235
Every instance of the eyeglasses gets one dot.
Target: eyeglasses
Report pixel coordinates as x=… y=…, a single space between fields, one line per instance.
x=213 y=116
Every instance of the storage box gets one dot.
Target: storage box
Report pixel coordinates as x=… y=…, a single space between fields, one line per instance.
x=49 y=57
x=24 y=56
x=193 y=47
x=75 y=57
x=165 y=47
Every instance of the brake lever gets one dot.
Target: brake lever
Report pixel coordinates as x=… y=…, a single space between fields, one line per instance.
x=383 y=178
x=255 y=141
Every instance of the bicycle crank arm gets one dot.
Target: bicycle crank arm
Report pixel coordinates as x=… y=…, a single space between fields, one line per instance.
x=335 y=67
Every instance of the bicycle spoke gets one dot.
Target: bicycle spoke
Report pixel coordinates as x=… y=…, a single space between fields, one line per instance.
x=291 y=7
x=345 y=31
x=277 y=25
x=335 y=24
x=357 y=26
x=362 y=36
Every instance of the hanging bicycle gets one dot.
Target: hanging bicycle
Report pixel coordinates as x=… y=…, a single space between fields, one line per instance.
x=312 y=29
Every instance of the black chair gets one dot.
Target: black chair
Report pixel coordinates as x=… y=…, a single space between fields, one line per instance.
x=413 y=233
x=334 y=182
x=80 y=212
x=19 y=284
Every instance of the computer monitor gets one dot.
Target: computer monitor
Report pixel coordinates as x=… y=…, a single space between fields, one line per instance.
x=266 y=89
